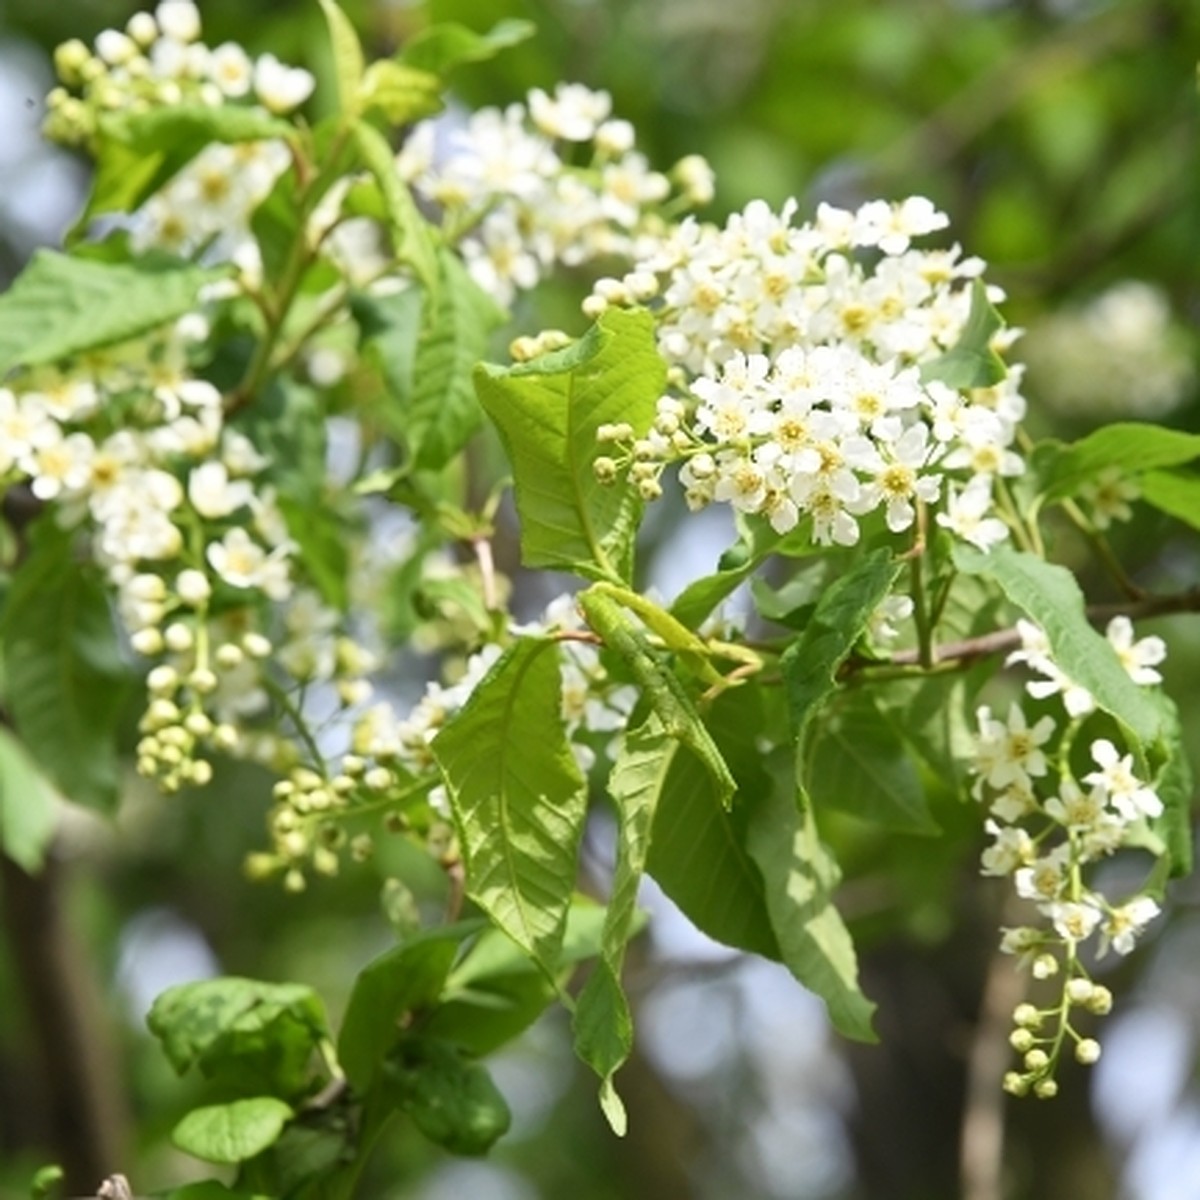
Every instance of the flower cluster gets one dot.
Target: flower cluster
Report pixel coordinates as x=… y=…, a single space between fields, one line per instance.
x=158 y=61
x=176 y=506
x=556 y=180
x=1051 y=819
x=797 y=355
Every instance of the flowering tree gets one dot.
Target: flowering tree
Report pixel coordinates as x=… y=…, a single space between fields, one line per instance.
x=242 y=283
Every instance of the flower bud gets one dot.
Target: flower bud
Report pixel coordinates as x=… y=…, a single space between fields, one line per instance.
x=1100 y=1001
x=1079 y=991
x=1021 y=1040
x=1087 y=1051
x=1036 y=1060
x=1045 y=1089
x=1044 y=966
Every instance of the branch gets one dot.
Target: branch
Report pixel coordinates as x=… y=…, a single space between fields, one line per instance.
x=999 y=641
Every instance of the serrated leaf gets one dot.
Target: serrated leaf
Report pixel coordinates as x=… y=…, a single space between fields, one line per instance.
x=412 y=236
x=27 y=806
x=232 y=1133
x=401 y=981
x=249 y=1035
x=800 y=875
x=971 y=362
x=518 y=797
x=1128 y=446
x=547 y=412
x=1177 y=493
x=348 y=64
x=65 y=679
x=665 y=694
x=441 y=411
x=603 y=1026
x=1050 y=596
x=857 y=764
x=443 y=47
x=60 y=306
x=811 y=662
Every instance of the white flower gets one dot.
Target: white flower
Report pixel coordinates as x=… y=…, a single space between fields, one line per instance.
x=1123 y=925
x=1012 y=848
x=1035 y=653
x=966 y=515
x=1138 y=658
x=573 y=114
x=1128 y=795
x=231 y=70
x=243 y=563
x=1010 y=753
x=213 y=494
x=279 y=87
x=1074 y=921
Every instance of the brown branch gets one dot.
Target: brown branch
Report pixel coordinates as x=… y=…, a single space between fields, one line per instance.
x=999 y=641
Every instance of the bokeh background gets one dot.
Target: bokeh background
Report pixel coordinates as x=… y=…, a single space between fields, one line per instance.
x=1061 y=137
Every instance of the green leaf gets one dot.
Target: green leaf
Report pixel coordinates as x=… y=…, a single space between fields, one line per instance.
x=810 y=664
x=404 y=980
x=320 y=533
x=443 y=47
x=547 y=412
x=232 y=1133
x=441 y=411
x=1177 y=493
x=247 y=1035
x=661 y=688
x=857 y=764
x=348 y=64
x=518 y=797
x=208 y=1189
x=697 y=851
x=412 y=237
x=60 y=306
x=800 y=875
x=971 y=362
x=401 y=92
x=496 y=991
x=65 y=679
x=452 y=1102
x=27 y=806
x=603 y=1026
x=1130 y=447
x=1051 y=597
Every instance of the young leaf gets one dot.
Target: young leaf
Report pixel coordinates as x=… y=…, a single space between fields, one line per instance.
x=1051 y=597
x=454 y=1103
x=547 y=412
x=412 y=237
x=402 y=93
x=406 y=979
x=60 y=306
x=603 y=1026
x=661 y=688
x=971 y=362
x=811 y=662
x=1177 y=493
x=27 y=806
x=248 y=1035
x=800 y=875
x=232 y=1133
x=65 y=679
x=1129 y=446
x=348 y=64
x=442 y=47
x=857 y=764
x=518 y=797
